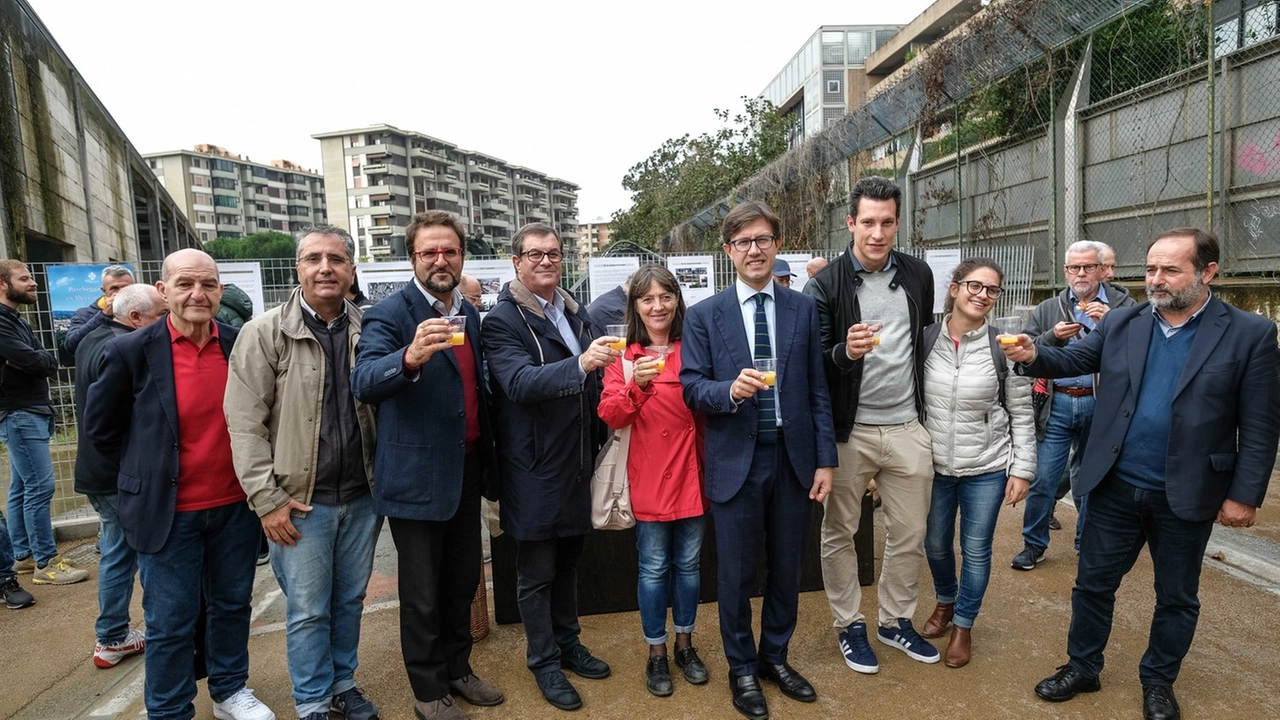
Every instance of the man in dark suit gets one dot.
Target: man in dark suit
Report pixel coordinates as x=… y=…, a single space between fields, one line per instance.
x=155 y=415
x=774 y=447
x=545 y=376
x=133 y=307
x=434 y=456
x=1185 y=435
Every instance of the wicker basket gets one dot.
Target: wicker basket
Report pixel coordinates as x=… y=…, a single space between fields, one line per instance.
x=480 y=610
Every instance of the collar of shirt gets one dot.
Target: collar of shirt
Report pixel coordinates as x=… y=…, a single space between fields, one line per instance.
x=860 y=268
x=330 y=324
x=745 y=292
x=6 y=310
x=175 y=336
x=437 y=303
x=1168 y=329
x=1101 y=296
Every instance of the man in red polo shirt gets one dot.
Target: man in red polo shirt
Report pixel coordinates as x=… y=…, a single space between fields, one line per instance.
x=180 y=503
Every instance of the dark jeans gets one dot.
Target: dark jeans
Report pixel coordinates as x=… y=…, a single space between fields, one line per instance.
x=1121 y=519
x=211 y=553
x=547 y=596
x=771 y=510
x=439 y=564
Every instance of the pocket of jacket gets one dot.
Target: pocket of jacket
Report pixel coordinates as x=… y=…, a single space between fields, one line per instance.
x=1223 y=462
x=131 y=484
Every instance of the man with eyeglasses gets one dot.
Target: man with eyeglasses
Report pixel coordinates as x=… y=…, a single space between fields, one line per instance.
x=873 y=304
x=434 y=459
x=1063 y=422
x=545 y=367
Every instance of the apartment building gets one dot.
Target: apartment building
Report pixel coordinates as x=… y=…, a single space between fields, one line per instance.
x=377 y=177
x=225 y=195
x=593 y=236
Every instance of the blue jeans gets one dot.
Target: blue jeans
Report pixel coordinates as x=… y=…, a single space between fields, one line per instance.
x=214 y=552
x=1122 y=518
x=324 y=577
x=978 y=499
x=116 y=569
x=6 y=551
x=26 y=435
x=668 y=551
x=1069 y=421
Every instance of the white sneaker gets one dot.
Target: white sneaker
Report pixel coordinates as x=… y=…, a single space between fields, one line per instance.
x=108 y=656
x=242 y=706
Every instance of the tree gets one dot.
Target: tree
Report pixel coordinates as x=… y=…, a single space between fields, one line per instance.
x=686 y=174
x=265 y=244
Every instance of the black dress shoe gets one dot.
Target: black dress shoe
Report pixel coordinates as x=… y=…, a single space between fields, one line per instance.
x=748 y=698
x=558 y=691
x=580 y=660
x=791 y=683
x=1065 y=683
x=1158 y=703
x=694 y=670
x=657 y=676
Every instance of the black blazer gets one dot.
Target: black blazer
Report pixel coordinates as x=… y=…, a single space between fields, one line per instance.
x=1226 y=406
x=131 y=418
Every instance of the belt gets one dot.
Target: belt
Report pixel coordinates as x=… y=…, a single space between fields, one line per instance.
x=1074 y=391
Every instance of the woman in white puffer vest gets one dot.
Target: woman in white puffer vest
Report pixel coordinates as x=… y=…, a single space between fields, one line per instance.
x=984 y=450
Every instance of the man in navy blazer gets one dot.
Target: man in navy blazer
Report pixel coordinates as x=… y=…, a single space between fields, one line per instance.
x=155 y=415
x=773 y=444
x=434 y=455
x=1184 y=435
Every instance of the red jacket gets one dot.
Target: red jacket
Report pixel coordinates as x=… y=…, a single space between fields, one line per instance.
x=664 y=464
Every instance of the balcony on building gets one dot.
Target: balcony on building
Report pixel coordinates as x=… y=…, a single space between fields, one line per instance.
x=496 y=206
x=479 y=185
x=380 y=229
x=382 y=250
x=441 y=195
x=375 y=168
x=422 y=172
x=530 y=182
x=370 y=151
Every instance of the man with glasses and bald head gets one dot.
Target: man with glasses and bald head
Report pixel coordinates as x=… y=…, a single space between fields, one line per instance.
x=1063 y=422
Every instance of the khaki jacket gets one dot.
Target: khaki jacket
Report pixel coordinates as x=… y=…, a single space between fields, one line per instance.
x=275 y=385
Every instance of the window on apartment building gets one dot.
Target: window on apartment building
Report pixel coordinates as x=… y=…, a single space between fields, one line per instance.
x=202 y=199
x=833 y=48
x=833 y=87
x=226 y=201
x=859 y=47
x=195 y=163
x=223 y=165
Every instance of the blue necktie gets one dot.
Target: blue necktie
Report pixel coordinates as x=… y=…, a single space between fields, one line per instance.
x=768 y=416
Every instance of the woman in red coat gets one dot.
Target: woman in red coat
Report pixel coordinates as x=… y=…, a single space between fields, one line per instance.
x=664 y=468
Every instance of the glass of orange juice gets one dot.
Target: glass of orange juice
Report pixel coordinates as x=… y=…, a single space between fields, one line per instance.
x=1009 y=328
x=457 y=329
x=875 y=338
x=768 y=369
x=659 y=353
x=617 y=331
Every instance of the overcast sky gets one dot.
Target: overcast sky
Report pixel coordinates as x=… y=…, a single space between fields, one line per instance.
x=581 y=91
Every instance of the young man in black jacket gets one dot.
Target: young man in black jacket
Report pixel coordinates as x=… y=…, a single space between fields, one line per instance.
x=872 y=305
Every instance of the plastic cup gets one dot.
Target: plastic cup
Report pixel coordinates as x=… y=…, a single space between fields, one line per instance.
x=875 y=339
x=620 y=332
x=659 y=352
x=457 y=330
x=1009 y=328
x=768 y=369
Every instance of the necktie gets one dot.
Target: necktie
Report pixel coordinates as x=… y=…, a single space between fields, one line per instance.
x=765 y=399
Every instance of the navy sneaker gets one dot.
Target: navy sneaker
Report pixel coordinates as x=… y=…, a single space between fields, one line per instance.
x=905 y=638
x=1028 y=559
x=857 y=651
x=353 y=705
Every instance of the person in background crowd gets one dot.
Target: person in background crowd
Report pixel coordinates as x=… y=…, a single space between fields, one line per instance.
x=664 y=471
x=26 y=424
x=434 y=460
x=812 y=267
x=544 y=363
x=984 y=449
x=180 y=505
x=98 y=313
x=356 y=295
x=782 y=272
x=235 y=308
x=873 y=303
x=771 y=439
x=308 y=481
x=471 y=291
x=1064 y=420
x=610 y=308
x=1184 y=436
x=133 y=308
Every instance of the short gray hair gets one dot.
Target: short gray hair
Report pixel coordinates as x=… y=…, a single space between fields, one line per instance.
x=114 y=271
x=1084 y=246
x=325 y=229
x=138 y=296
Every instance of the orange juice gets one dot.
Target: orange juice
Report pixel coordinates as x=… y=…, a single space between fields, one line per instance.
x=1007 y=339
x=619 y=345
x=457 y=338
x=662 y=364
x=875 y=341
x=770 y=377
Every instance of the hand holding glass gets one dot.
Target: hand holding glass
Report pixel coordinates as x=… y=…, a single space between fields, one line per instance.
x=457 y=329
x=875 y=338
x=620 y=332
x=1009 y=327
x=659 y=353
x=767 y=369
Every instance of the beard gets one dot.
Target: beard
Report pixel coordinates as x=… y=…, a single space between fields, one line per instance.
x=441 y=287
x=1176 y=300
x=14 y=295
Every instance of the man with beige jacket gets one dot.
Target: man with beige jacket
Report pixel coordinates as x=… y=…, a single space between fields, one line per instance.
x=303 y=450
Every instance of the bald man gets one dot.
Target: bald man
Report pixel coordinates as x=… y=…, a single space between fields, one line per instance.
x=471 y=292
x=155 y=415
x=812 y=267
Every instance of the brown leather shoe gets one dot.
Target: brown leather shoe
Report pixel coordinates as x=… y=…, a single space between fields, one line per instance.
x=958 y=649
x=936 y=625
x=476 y=691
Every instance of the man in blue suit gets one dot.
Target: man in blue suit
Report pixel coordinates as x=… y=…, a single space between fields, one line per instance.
x=155 y=416
x=433 y=460
x=1184 y=435
x=773 y=444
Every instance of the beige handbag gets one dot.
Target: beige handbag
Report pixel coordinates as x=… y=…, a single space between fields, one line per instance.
x=610 y=491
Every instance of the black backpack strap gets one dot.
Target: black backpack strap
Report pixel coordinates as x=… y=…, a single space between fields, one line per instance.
x=929 y=338
x=1001 y=363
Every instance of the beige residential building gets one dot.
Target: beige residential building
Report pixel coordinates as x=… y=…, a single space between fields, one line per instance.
x=593 y=236
x=377 y=177
x=225 y=195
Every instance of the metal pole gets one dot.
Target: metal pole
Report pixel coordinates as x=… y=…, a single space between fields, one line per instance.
x=1211 y=69
x=1053 y=177
x=959 y=182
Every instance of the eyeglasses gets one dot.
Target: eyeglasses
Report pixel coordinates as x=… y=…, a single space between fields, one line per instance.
x=429 y=256
x=1077 y=269
x=536 y=256
x=764 y=242
x=976 y=288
